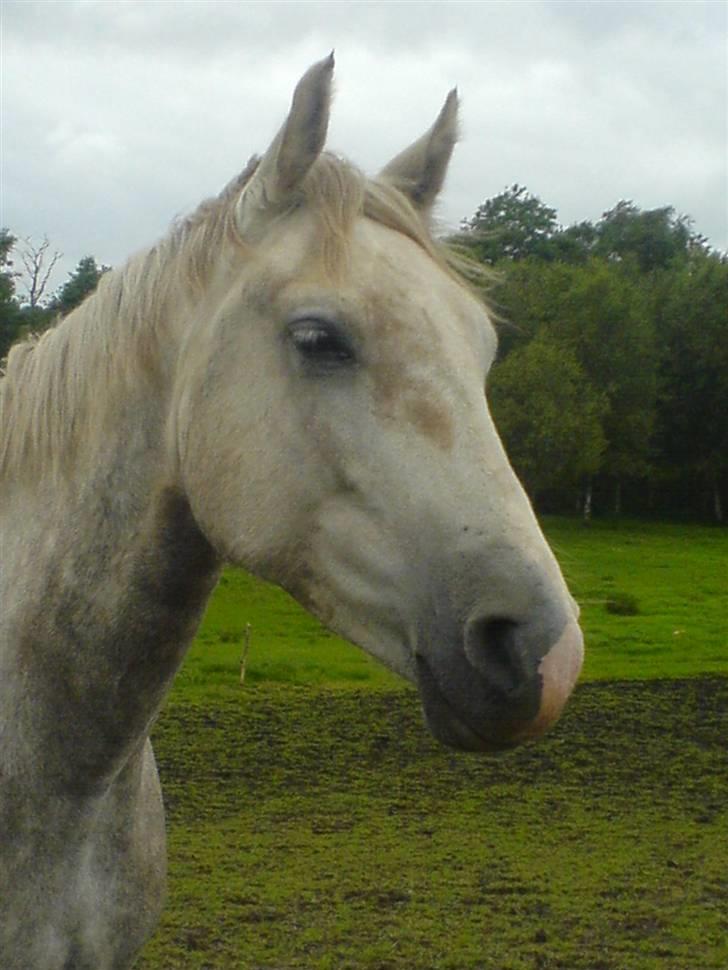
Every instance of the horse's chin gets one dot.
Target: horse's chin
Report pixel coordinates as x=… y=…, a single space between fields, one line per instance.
x=449 y=727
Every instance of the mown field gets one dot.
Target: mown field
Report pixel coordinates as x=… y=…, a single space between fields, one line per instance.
x=314 y=824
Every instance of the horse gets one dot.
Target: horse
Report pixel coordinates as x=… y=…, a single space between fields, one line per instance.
x=293 y=381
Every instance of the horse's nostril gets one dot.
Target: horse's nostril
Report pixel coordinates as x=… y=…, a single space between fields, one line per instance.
x=496 y=650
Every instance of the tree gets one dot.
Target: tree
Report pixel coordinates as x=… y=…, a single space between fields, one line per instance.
x=512 y=225
x=652 y=239
x=516 y=225
x=606 y=319
x=692 y=317
x=575 y=244
x=548 y=414
x=38 y=263
x=640 y=303
x=602 y=317
x=9 y=312
x=80 y=283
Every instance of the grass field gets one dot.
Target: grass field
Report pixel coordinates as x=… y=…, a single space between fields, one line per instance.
x=313 y=823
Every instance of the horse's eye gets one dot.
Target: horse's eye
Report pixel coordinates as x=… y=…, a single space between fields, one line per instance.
x=321 y=343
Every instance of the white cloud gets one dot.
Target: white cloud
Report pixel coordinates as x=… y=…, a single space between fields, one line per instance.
x=118 y=116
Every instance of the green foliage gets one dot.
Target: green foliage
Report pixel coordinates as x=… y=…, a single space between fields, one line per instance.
x=19 y=317
x=592 y=367
x=80 y=283
x=548 y=413
x=517 y=225
x=692 y=314
x=9 y=311
x=512 y=225
x=640 y=304
x=652 y=240
x=7 y=276
x=604 y=318
x=33 y=314
x=34 y=319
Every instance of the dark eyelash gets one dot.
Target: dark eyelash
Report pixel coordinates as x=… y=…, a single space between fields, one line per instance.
x=321 y=342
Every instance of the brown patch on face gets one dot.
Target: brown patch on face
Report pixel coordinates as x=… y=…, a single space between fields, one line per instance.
x=390 y=381
x=431 y=420
x=399 y=394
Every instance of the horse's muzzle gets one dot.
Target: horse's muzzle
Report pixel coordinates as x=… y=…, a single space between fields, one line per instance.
x=500 y=688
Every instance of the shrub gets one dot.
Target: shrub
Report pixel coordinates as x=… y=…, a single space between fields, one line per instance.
x=622 y=604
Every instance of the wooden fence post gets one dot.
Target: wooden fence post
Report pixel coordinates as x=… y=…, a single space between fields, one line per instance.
x=244 y=658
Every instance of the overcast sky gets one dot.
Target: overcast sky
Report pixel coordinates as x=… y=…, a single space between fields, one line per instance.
x=118 y=115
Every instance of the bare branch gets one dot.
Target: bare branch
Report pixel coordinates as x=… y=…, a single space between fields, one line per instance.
x=38 y=263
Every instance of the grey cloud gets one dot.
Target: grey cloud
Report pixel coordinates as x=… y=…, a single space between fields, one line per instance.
x=117 y=117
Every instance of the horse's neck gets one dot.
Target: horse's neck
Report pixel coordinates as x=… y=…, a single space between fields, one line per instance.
x=103 y=581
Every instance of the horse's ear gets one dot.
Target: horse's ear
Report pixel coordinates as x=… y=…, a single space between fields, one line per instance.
x=419 y=171
x=292 y=152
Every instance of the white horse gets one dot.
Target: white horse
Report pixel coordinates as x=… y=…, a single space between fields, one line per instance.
x=292 y=380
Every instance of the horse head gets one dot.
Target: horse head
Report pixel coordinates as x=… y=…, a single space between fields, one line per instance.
x=333 y=434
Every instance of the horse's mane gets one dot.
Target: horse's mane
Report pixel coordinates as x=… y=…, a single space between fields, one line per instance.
x=115 y=333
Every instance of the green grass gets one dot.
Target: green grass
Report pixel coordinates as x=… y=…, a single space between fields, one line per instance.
x=315 y=825
x=677 y=575
x=312 y=828
x=287 y=645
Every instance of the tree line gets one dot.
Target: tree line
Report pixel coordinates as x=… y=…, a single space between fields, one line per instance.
x=26 y=306
x=611 y=385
